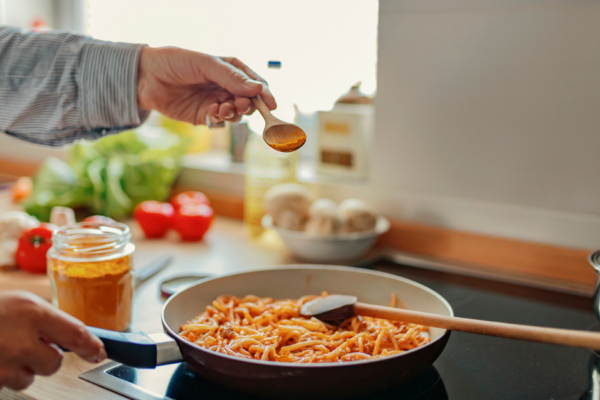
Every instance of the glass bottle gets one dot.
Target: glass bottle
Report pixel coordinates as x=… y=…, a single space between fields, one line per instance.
x=264 y=168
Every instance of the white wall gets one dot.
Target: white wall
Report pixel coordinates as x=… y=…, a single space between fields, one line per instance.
x=488 y=117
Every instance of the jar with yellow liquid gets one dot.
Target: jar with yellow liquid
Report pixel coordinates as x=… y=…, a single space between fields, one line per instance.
x=90 y=269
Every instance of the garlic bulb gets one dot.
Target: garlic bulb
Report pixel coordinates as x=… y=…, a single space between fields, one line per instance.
x=12 y=226
x=61 y=216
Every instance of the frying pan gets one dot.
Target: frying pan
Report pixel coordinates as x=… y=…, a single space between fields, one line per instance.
x=277 y=379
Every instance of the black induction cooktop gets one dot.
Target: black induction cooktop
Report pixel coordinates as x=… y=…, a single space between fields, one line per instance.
x=471 y=366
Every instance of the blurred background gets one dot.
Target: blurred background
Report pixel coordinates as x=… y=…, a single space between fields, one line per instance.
x=481 y=115
x=323 y=48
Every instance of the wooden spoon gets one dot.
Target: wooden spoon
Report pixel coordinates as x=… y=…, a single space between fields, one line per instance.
x=340 y=307
x=279 y=135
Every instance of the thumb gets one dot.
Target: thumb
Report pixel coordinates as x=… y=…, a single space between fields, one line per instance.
x=232 y=79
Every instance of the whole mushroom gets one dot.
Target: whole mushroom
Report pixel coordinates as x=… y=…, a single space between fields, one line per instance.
x=288 y=205
x=323 y=218
x=357 y=216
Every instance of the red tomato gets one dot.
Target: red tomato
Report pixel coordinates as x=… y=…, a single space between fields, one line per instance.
x=100 y=219
x=33 y=246
x=154 y=217
x=188 y=197
x=192 y=221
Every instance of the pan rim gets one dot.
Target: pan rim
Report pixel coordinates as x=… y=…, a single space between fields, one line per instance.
x=184 y=342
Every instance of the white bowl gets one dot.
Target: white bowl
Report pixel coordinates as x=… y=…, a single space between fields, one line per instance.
x=340 y=247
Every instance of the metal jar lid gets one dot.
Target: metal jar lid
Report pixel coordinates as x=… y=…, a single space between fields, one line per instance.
x=595 y=260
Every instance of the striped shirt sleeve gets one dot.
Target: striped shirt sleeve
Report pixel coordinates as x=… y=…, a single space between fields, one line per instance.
x=56 y=88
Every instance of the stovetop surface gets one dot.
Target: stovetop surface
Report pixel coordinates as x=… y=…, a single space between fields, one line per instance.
x=471 y=366
x=481 y=367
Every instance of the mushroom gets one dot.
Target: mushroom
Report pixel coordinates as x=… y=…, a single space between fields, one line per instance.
x=288 y=205
x=357 y=216
x=323 y=218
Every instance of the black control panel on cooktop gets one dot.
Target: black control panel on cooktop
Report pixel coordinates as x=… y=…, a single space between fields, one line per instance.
x=471 y=366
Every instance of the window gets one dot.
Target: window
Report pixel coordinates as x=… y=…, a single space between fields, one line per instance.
x=325 y=46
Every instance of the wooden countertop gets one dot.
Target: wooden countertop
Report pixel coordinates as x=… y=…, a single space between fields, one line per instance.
x=226 y=248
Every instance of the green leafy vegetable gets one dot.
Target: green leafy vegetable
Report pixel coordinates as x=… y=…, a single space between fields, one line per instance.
x=109 y=177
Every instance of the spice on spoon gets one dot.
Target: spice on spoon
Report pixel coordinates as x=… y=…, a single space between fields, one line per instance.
x=280 y=135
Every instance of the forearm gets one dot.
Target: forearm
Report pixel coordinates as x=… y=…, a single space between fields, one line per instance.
x=56 y=88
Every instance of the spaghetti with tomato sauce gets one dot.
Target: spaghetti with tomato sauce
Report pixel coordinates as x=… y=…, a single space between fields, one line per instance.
x=273 y=330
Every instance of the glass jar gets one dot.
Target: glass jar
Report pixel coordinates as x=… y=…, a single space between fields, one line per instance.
x=90 y=269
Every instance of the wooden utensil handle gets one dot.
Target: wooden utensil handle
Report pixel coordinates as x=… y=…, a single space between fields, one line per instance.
x=262 y=108
x=565 y=337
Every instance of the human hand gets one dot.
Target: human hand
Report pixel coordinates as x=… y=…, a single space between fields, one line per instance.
x=189 y=86
x=30 y=331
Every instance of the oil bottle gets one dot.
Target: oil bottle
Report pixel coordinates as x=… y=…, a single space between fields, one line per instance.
x=265 y=168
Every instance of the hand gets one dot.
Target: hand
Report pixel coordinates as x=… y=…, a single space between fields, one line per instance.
x=30 y=331
x=189 y=86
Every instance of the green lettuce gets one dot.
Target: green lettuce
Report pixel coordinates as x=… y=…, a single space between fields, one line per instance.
x=108 y=177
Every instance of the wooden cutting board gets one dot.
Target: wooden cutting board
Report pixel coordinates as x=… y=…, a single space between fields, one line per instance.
x=21 y=280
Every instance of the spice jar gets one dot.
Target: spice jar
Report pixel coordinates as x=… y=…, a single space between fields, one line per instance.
x=90 y=270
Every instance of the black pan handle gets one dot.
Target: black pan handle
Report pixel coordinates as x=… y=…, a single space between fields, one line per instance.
x=133 y=349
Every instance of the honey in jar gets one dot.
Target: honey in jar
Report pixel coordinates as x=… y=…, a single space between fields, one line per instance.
x=90 y=269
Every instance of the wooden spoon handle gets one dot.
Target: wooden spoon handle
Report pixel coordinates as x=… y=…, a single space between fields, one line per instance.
x=565 y=337
x=262 y=109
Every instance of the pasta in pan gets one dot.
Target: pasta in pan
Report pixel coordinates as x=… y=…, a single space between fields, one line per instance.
x=273 y=330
